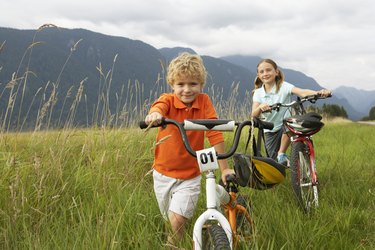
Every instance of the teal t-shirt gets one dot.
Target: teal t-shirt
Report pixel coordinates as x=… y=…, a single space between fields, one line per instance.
x=283 y=96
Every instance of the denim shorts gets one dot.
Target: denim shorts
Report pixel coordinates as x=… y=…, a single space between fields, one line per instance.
x=273 y=142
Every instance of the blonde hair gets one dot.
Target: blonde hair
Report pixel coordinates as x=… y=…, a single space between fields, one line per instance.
x=279 y=78
x=187 y=65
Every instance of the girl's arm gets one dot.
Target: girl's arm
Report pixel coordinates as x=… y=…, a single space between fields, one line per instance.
x=305 y=92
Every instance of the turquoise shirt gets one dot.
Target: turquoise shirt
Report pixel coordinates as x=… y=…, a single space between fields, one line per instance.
x=283 y=96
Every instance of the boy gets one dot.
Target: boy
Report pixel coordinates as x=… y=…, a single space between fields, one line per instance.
x=176 y=173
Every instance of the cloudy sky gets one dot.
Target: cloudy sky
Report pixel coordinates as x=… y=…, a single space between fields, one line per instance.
x=332 y=41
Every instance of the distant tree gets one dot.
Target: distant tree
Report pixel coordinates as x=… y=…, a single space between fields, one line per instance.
x=343 y=112
x=371 y=115
x=334 y=110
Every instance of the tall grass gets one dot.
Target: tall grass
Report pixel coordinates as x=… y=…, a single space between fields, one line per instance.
x=90 y=189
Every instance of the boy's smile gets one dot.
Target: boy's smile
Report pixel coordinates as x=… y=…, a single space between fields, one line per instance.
x=187 y=89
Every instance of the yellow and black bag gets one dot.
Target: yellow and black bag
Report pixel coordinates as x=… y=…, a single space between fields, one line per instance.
x=256 y=171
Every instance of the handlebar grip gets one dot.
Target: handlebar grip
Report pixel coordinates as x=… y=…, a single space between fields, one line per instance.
x=267 y=125
x=262 y=124
x=143 y=125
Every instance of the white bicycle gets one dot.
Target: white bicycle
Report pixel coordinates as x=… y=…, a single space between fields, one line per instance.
x=214 y=229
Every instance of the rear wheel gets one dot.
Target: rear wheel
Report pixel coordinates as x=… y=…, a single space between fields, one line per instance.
x=215 y=238
x=306 y=192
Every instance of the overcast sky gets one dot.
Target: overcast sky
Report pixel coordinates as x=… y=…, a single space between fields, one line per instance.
x=332 y=41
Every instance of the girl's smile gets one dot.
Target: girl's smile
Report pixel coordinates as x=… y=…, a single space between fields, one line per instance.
x=267 y=73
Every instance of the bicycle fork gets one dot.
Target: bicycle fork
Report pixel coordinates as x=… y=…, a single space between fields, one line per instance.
x=210 y=214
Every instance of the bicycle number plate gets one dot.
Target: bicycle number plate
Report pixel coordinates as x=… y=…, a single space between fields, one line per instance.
x=207 y=159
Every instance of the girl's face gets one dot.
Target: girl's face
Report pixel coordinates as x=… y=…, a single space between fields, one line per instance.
x=187 y=89
x=267 y=73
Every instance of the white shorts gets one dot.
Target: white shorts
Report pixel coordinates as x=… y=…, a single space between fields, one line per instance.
x=176 y=195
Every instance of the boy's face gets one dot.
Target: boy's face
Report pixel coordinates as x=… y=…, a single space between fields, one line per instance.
x=187 y=89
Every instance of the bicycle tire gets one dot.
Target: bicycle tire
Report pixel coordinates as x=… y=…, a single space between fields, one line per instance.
x=215 y=238
x=244 y=227
x=301 y=178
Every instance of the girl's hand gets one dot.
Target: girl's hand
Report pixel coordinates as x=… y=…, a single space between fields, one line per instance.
x=264 y=107
x=325 y=92
x=154 y=118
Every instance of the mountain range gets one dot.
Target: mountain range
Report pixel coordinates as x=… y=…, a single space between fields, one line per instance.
x=58 y=58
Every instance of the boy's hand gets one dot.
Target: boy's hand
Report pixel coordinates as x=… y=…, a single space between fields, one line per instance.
x=154 y=118
x=225 y=173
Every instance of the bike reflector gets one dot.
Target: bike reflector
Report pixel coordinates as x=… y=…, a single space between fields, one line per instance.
x=258 y=172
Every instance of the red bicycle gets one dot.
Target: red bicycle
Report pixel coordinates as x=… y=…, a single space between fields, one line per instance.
x=302 y=125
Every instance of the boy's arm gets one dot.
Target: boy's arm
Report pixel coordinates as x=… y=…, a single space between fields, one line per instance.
x=158 y=109
x=223 y=164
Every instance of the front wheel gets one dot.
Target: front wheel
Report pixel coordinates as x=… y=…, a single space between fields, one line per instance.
x=302 y=183
x=215 y=238
x=245 y=224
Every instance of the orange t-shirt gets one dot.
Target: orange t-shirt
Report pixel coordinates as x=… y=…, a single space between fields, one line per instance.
x=171 y=157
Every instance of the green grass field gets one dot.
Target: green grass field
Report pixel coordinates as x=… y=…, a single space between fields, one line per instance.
x=90 y=189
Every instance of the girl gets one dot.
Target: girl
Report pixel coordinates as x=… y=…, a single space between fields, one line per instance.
x=271 y=88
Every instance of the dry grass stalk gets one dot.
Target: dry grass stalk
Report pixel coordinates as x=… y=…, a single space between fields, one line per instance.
x=47 y=25
x=51 y=101
x=162 y=140
x=2 y=46
x=74 y=47
x=13 y=81
x=34 y=44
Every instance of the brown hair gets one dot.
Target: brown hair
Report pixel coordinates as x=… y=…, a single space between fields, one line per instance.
x=279 y=78
x=188 y=65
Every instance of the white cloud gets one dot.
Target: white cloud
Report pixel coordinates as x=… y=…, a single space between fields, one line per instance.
x=331 y=41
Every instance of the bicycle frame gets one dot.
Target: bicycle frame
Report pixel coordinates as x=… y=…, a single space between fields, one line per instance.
x=231 y=210
x=228 y=222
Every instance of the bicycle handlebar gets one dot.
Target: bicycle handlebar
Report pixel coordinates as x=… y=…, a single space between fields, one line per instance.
x=310 y=98
x=211 y=124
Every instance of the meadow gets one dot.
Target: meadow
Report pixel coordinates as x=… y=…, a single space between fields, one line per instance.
x=92 y=189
